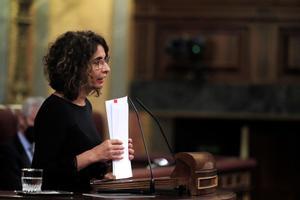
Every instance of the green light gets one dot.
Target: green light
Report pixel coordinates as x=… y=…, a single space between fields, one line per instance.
x=196 y=49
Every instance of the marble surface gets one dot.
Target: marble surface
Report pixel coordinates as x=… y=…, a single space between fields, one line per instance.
x=225 y=98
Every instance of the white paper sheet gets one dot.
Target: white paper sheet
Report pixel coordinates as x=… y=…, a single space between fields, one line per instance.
x=117 y=118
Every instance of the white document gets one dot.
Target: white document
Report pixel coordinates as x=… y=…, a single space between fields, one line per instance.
x=117 y=118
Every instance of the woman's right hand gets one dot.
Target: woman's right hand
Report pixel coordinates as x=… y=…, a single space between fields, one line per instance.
x=108 y=150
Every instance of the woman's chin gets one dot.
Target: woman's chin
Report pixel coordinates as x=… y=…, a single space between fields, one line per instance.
x=98 y=86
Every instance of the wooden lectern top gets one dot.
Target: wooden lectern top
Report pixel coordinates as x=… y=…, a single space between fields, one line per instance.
x=194 y=174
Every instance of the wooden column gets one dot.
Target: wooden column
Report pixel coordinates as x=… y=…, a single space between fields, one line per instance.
x=19 y=83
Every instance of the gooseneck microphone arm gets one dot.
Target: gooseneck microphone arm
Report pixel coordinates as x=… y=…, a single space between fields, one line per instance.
x=157 y=122
x=152 y=185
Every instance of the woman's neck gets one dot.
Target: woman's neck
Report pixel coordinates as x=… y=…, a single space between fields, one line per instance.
x=80 y=100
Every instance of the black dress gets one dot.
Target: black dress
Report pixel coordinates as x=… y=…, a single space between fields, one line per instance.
x=64 y=130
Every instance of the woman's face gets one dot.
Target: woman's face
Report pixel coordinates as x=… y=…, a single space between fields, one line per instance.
x=99 y=69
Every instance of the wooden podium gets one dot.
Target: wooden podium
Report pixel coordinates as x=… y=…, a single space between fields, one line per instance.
x=194 y=174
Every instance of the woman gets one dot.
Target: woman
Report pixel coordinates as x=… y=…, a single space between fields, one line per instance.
x=67 y=145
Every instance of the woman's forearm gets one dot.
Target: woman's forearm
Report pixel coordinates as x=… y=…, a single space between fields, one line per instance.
x=85 y=159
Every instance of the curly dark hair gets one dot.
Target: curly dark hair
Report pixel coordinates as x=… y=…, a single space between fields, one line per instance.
x=67 y=61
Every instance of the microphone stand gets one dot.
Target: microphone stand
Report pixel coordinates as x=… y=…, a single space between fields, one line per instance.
x=157 y=122
x=152 y=184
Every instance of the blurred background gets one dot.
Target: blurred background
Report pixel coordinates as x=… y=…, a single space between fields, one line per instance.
x=221 y=76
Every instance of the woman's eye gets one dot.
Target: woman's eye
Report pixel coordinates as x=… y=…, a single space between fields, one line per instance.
x=96 y=63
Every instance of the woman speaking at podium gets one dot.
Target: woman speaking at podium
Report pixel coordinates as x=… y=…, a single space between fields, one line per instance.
x=67 y=145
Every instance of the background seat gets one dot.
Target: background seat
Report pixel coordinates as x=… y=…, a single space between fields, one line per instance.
x=8 y=124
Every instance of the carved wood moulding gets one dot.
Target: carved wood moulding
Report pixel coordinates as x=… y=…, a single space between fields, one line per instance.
x=245 y=41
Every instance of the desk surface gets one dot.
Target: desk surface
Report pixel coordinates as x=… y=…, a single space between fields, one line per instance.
x=219 y=195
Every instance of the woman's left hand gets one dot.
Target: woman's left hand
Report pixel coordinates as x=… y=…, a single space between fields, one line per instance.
x=130 y=149
x=109 y=176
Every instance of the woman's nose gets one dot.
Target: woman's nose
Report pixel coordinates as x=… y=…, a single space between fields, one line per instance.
x=106 y=68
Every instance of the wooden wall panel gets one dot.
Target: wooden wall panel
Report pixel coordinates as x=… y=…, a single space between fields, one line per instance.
x=253 y=42
x=289 y=60
x=140 y=51
x=252 y=68
x=293 y=58
x=225 y=55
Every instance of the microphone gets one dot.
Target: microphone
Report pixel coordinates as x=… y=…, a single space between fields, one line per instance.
x=157 y=122
x=152 y=184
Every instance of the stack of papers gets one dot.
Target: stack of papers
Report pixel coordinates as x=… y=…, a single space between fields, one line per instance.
x=117 y=117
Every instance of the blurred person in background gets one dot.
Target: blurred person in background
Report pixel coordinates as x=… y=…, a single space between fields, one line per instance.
x=17 y=152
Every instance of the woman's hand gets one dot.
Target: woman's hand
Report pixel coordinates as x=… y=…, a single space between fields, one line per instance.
x=109 y=176
x=130 y=149
x=108 y=150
